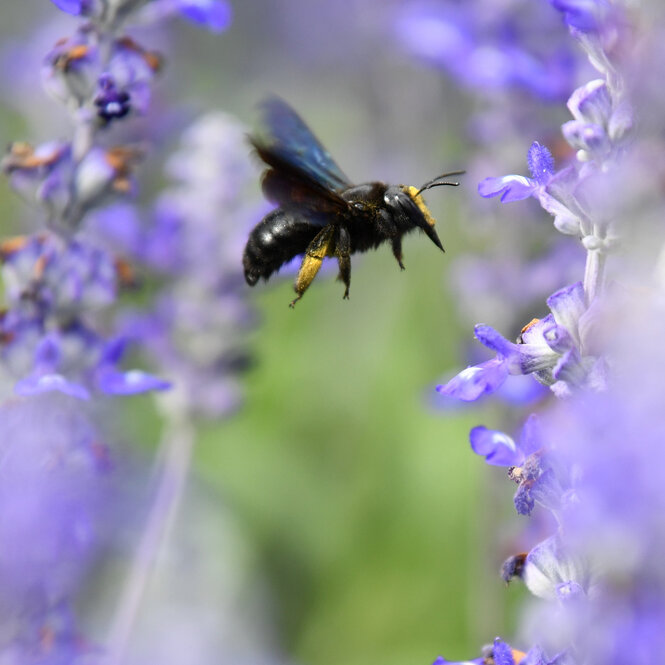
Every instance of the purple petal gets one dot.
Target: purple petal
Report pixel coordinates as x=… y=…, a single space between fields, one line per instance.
x=591 y=102
x=113 y=351
x=540 y=162
x=497 y=448
x=114 y=382
x=570 y=369
x=494 y=340
x=558 y=338
x=531 y=438
x=213 y=14
x=536 y=657
x=585 y=136
x=37 y=384
x=522 y=390
x=475 y=381
x=74 y=7
x=510 y=187
x=47 y=354
x=568 y=305
x=580 y=14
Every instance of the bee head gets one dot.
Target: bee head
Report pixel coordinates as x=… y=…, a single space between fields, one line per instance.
x=409 y=210
x=419 y=213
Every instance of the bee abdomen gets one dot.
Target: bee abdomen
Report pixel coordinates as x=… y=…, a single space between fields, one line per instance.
x=279 y=237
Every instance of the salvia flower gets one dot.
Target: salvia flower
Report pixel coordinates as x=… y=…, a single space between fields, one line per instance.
x=594 y=463
x=531 y=466
x=62 y=347
x=551 y=188
x=556 y=350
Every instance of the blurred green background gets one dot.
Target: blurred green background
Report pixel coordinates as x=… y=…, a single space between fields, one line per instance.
x=370 y=519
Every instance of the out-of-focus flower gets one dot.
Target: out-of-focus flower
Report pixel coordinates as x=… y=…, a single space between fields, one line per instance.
x=195 y=330
x=212 y=14
x=47 y=340
x=54 y=464
x=516 y=45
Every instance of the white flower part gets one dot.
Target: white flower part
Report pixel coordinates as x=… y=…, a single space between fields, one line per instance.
x=592 y=243
x=548 y=565
x=565 y=220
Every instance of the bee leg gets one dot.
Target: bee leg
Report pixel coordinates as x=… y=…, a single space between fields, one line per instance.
x=397 y=250
x=320 y=247
x=343 y=253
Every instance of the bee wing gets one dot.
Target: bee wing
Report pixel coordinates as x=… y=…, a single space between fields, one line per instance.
x=289 y=190
x=290 y=148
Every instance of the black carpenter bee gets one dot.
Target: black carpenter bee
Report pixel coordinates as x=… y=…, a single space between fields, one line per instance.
x=320 y=212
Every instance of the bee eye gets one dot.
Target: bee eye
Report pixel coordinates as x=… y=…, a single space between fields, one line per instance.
x=359 y=206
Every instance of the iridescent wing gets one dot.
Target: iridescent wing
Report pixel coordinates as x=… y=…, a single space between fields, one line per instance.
x=295 y=154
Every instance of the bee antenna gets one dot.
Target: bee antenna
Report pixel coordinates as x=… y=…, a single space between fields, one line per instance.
x=438 y=182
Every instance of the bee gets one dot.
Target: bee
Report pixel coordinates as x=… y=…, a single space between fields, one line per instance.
x=321 y=214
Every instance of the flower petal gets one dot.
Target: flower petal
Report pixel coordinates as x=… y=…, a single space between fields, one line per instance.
x=212 y=14
x=114 y=382
x=475 y=381
x=531 y=437
x=74 y=7
x=497 y=447
x=37 y=384
x=510 y=187
x=567 y=306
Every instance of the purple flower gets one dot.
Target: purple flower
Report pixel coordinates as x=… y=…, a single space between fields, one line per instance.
x=599 y=123
x=212 y=14
x=47 y=341
x=552 y=189
x=539 y=480
x=196 y=326
x=130 y=71
x=475 y=381
x=501 y=450
x=442 y=661
x=111 y=381
x=515 y=47
x=583 y=15
x=71 y=69
x=550 y=565
x=42 y=173
x=553 y=349
x=52 y=476
x=74 y=7
x=46 y=376
x=517 y=187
